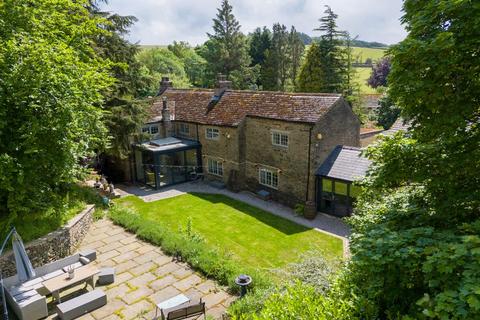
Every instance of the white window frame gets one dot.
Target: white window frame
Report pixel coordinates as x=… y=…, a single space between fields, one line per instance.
x=212 y=133
x=283 y=139
x=215 y=167
x=183 y=129
x=148 y=129
x=268 y=178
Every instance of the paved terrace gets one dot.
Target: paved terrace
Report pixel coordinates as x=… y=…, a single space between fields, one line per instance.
x=144 y=276
x=323 y=222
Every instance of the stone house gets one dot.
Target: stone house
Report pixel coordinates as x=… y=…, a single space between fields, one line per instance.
x=245 y=140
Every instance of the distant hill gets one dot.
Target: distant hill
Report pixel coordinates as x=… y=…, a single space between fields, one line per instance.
x=355 y=43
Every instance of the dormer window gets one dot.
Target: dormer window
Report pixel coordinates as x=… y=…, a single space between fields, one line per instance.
x=212 y=133
x=280 y=139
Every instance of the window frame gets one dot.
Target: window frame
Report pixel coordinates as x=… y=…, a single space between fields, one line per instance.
x=215 y=164
x=282 y=135
x=274 y=178
x=212 y=136
x=148 y=128
x=181 y=129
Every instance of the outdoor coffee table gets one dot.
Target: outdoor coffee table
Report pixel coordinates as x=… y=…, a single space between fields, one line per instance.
x=172 y=302
x=82 y=274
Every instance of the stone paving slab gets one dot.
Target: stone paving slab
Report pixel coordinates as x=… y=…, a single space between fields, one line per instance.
x=144 y=276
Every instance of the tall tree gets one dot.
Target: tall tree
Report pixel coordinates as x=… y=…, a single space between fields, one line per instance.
x=226 y=51
x=416 y=243
x=275 y=70
x=50 y=92
x=260 y=42
x=311 y=78
x=124 y=112
x=333 y=59
x=193 y=63
x=296 y=48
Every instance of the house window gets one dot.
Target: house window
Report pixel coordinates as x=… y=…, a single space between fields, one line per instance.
x=268 y=178
x=153 y=129
x=212 y=133
x=280 y=139
x=184 y=129
x=215 y=167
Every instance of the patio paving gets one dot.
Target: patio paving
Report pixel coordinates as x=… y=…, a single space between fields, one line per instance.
x=144 y=275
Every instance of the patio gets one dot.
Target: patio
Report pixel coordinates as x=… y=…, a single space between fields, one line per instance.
x=144 y=276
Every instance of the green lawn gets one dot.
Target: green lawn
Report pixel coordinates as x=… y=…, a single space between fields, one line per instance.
x=365 y=53
x=255 y=237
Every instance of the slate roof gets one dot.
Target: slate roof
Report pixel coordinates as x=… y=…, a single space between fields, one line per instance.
x=398 y=125
x=192 y=105
x=344 y=163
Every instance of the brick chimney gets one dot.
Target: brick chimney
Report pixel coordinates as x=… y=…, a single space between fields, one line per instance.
x=165 y=83
x=167 y=127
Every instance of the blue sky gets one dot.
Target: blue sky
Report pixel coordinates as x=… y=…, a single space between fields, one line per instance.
x=162 y=21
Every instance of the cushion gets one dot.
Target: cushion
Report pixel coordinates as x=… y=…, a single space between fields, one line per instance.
x=84 y=260
x=31 y=283
x=52 y=274
x=18 y=289
x=25 y=295
x=74 y=265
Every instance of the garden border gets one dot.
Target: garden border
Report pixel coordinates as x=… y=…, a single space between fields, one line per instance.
x=53 y=246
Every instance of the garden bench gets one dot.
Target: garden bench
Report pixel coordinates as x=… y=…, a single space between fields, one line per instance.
x=180 y=307
x=81 y=305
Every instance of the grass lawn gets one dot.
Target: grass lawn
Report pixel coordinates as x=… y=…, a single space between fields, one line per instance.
x=253 y=236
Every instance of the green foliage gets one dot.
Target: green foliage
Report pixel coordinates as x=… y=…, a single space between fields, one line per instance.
x=158 y=62
x=387 y=112
x=50 y=91
x=299 y=209
x=415 y=248
x=275 y=69
x=36 y=224
x=193 y=63
x=201 y=256
x=260 y=42
x=226 y=51
x=328 y=63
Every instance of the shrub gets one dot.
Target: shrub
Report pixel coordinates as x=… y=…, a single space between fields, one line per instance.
x=299 y=209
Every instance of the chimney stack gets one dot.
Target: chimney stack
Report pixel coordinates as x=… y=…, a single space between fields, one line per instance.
x=165 y=83
x=222 y=82
x=166 y=120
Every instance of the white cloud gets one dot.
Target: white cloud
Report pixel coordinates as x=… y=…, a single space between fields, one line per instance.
x=162 y=21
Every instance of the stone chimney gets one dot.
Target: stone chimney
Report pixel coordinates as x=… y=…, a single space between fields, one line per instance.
x=165 y=83
x=167 y=127
x=222 y=82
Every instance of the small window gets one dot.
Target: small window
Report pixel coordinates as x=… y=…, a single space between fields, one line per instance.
x=327 y=185
x=279 y=139
x=152 y=129
x=184 y=129
x=212 y=133
x=341 y=188
x=215 y=167
x=268 y=178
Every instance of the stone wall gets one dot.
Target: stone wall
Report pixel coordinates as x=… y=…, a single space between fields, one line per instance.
x=55 y=245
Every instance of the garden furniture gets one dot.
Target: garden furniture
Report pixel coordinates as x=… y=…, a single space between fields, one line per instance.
x=181 y=311
x=82 y=274
x=81 y=305
x=106 y=276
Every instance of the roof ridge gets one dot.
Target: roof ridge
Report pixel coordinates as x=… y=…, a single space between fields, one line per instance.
x=314 y=94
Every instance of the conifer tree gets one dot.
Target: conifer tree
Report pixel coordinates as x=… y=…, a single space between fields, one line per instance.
x=276 y=68
x=260 y=42
x=311 y=77
x=226 y=51
x=296 y=49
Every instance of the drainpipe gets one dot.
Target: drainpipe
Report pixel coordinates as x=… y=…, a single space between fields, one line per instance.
x=308 y=164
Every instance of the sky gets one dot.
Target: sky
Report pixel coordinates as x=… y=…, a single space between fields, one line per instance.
x=160 y=22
